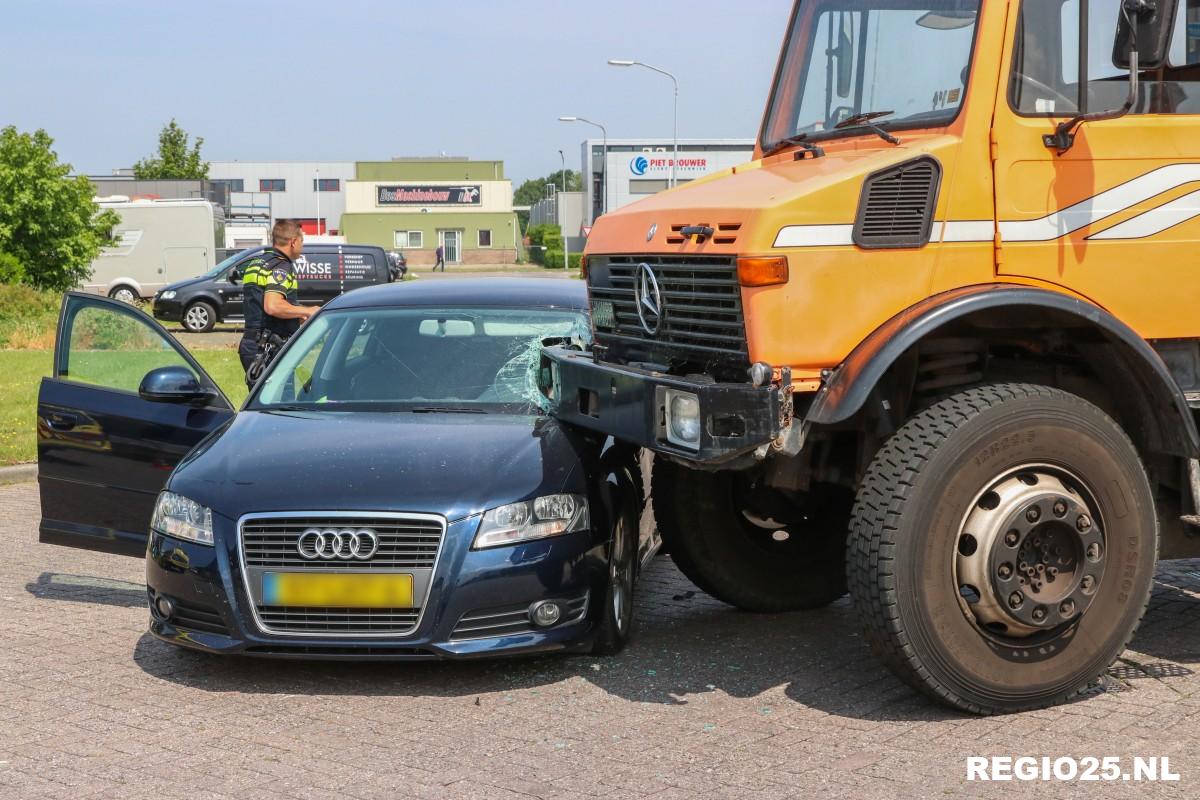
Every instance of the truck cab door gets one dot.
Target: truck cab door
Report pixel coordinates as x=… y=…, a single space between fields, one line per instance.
x=105 y=451
x=1116 y=217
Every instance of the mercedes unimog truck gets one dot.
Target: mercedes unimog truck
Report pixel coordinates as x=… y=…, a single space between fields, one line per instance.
x=938 y=345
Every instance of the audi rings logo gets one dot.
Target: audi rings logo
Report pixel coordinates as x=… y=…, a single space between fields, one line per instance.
x=347 y=544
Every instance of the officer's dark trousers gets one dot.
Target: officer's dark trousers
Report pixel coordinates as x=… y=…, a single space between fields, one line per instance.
x=248 y=349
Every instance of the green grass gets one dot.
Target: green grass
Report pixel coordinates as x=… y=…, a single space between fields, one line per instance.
x=21 y=373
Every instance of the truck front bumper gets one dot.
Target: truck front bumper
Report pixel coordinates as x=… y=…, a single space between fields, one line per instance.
x=630 y=404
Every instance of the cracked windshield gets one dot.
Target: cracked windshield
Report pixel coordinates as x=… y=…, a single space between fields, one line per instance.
x=852 y=63
x=420 y=359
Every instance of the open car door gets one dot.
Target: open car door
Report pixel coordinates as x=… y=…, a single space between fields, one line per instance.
x=125 y=404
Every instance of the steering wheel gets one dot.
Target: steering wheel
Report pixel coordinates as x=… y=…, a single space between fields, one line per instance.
x=1041 y=87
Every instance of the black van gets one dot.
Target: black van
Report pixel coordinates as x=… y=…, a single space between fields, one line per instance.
x=324 y=272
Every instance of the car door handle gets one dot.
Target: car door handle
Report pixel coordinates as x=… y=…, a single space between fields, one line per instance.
x=62 y=422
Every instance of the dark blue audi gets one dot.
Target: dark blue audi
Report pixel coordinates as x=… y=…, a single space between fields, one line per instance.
x=391 y=489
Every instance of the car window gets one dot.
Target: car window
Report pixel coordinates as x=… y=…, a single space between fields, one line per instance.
x=112 y=348
x=482 y=359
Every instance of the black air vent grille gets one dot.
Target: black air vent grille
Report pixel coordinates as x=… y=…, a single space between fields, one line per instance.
x=896 y=209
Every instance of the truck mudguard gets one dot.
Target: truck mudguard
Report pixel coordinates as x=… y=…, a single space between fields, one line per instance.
x=847 y=389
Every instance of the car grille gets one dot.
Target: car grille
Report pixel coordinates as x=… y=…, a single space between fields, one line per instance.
x=702 y=320
x=403 y=543
x=195 y=617
x=338 y=620
x=508 y=620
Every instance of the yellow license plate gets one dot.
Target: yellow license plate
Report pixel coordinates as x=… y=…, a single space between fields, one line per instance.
x=337 y=591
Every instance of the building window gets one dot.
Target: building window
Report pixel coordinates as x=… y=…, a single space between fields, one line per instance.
x=327 y=184
x=272 y=185
x=485 y=238
x=234 y=184
x=409 y=240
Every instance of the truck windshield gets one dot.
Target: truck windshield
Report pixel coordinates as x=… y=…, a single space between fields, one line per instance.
x=904 y=62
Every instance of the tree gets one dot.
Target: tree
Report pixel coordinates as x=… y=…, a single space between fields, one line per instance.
x=49 y=221
x=531 y=191
x=174 y=160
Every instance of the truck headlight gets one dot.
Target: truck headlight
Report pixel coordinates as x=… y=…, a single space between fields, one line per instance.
x=683 y=419
x=177 y=516
x=541 y=518
x=168 y=295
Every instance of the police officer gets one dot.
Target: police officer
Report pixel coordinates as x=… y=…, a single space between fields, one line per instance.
x=270 y=290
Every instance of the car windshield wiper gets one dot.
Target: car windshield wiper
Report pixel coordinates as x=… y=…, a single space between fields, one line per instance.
x=799 y=139
x=864 y=121
x=446 y=410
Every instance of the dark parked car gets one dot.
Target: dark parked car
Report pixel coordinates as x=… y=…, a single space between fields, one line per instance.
x=399 y=264
x=324 y=271
x=391 y=489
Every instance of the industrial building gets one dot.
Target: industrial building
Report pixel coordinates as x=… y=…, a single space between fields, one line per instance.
x=313 y=192
x=637 y=168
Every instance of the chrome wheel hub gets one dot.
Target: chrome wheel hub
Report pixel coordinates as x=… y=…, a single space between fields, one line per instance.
x=1030 y=553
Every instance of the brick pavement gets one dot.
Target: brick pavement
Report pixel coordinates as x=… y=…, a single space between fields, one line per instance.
x=708 y=702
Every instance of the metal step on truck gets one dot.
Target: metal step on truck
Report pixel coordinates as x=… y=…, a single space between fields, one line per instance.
x=938 y=345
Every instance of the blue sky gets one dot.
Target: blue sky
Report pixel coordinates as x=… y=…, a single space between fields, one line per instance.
x=484 y=78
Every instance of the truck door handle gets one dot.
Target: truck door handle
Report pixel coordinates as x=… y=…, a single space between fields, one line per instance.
x=62 y=422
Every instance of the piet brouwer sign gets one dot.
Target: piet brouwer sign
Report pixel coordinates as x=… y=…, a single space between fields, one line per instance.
x=429 y=195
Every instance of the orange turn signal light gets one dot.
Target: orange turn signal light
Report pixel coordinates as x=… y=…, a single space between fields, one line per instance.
x=762 y=270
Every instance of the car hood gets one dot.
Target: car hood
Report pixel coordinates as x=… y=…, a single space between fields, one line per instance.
x=451 y=464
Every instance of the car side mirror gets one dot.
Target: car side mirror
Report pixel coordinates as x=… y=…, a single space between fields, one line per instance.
x=1148 y=24
x=235 y=276
x=172 y=385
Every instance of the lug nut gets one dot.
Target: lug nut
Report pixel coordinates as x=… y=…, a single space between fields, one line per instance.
x=1005 y=571
x=1088 y=584
x=1033 y=514
x=1015 y=600
x=1011 y=538
x=1067 y=608
x=1084 y=523
x=1039 y=614
x=1093 y=551
x=1060 y=508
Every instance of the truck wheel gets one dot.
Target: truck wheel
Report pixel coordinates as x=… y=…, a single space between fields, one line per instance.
x=123 y=293
x=199 y=317
x=1002 y=548
x=753 y=549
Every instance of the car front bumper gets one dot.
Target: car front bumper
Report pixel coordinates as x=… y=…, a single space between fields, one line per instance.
x=168 y=310
x=213 y=613
x=629 y=404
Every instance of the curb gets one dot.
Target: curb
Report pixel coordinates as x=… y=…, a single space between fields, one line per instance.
x=18 y=473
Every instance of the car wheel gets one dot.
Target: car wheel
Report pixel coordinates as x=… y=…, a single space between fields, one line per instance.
x=199 y=317
x=123 y=293
x=616 y=618
x=1002 y=548
x=751 y=547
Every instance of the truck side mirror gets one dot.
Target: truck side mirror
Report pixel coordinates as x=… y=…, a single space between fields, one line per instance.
x=843 y=59
x=1152 y=22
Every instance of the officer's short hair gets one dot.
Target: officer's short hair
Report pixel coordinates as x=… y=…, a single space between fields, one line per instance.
x=284 y=231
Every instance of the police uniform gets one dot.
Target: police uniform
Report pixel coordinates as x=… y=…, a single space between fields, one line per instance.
x=281 y=278
x=254 y=282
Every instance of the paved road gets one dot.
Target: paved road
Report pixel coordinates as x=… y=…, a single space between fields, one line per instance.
x=707 y=703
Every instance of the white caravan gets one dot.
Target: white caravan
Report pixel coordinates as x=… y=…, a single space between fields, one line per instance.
x=158 y=242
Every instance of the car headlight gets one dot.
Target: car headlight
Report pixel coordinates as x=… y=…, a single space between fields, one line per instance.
x=168 y=295
x=176 y=515
x=541 y=518
x=683 y=419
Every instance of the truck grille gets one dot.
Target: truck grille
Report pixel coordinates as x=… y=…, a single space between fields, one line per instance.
x=403 y=543
x=702 y=321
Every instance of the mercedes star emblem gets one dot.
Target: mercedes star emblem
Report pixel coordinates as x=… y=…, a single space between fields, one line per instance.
x=653 y=230
x=649 y=300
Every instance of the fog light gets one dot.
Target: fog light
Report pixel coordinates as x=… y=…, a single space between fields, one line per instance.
x=683 y=419
x=165 y=606
x=545 y=613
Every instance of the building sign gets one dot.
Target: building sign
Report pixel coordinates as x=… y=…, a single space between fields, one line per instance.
x=643 y=165
x=429 y=196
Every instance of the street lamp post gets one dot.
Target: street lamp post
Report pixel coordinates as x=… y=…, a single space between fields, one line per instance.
x=604 y=168
x=318 y=188
x=621 y=62
x=562 y=224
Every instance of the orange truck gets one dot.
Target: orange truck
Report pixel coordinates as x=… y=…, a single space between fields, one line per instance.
x=937 y=345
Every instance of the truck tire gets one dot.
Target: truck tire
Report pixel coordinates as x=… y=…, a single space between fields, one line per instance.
x=199 y=317
x=743 y=558
x=1002 y=548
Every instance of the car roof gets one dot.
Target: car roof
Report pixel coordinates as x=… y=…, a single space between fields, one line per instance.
x=515 y=292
